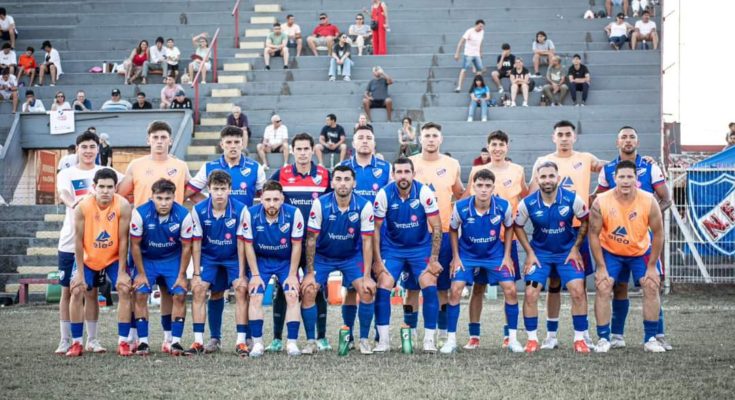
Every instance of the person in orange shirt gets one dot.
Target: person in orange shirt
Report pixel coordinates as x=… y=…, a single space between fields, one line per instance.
x=620 y=221
x=101 y=224
x=27 y=65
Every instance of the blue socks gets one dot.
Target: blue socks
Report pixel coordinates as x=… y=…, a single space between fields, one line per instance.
x=177 y=328
x=511 y=315
x=198 y=328
x=142 y=325
x=412 y=318
x=474 y=329
x=579 y=322
x=365 y=312
x=123 y=329
x=603 y=331
x=530 y=323
x=215 y=308
x=552 y=324
x=77 y=330
x=452 y=315
x=293 y=330
x=441 y=322
x=660 y=330
x=382 y=307
x=349 y=313
x=309 y=317
x=256 y=328
x=431 y=309
x=649 y=329
x=165 y=323
x=619 y=315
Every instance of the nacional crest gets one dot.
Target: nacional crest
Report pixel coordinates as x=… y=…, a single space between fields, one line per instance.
x=712 y=209
x=563 y=211
x=377 y=172
x=353 y=217
x=285 y=227
x=317 y=179
x=246 y=171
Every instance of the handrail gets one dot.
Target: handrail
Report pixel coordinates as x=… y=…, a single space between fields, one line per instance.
x=236 y=14
x=195 y=83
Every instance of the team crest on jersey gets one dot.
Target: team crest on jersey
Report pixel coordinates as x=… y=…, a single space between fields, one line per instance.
x=377 y=172
x=632 y=215
x=353 y=216
x=285 y=227
x=577 y=165
x=507 y=182
x=231 y=222
x=171 y=171
x=111 y=216
x=245 y=171
x=563 y=211
x=174 y=227
x=317 y=179
x=641 y=172
x=415 y=203
x=495 y=219
x=441 y=171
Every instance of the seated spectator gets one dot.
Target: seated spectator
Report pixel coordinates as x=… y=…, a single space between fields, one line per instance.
x=506 y=61
x=82 y=103
x=617 y=32
x=479 y=95
x=332 y=139
x=116 y=103
x=32 y=104
x=645 y=31
x=483 y=159
x=640 y=6
x=362 y=120
x=275 y=140
x=60 y=102
x=201 y=48
x=105 y=150
x=141 y=103
x=181 y=102
x=407 y=139
x=519 y=79
x=376 y=95
x=169 y=92
x=275 y=46
x=543 y=49
x=360 y=34
x=238 y=119
x=472 y=41
x=323 y=35
x=730 y=136
x=556 y=77
x=51 y=64
x=173 y=55
x=9 y=88
x=7 y=27
x=609 y=6
x=8 y=58
x=27 y=65
x=134 y=64
x=293 y=31
x=340 y=62
x=579 y=79
x=157 y=60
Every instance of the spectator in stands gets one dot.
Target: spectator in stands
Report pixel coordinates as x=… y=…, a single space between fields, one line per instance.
x=201 y=48
x=506 y=61
x=730 y=137
x=9 y=88
x=519 y=79
x=579 y=79
x=105 y=150
x=331 y=140
x=555 y=86
x=479 y=95
x=181 y=102
x=8 y=58
x=82 y=103
x=169 y=92
x=141 y=103
x=60 y=102
x=275 y=46
x=173 y=55
x=134 y=64
x=617 y=32
x=376 y=95
x=645 y=31
x=238 y=119
x=275 y=140
x=360 y=34
x=293 y=31
x=116 y=103
x=157 y=60
x=362 y=120
x=27 y=65
x=51 y=64
x=472 y=41
x=640 y=6
x=609 y=6
x=407 y=140
x=32 y=104
x=7 y=27
x=323 y=35
x=379 y=16
x=483 y=159
x=340 y=61
x=543 y=49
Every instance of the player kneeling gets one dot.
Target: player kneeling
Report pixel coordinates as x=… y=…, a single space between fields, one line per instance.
x=160 y=239
x=554 y=247
x=273 y=232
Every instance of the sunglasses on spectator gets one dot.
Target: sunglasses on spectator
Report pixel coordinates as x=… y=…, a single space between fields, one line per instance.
x=60 y=95
x=277 y=122
x=321 y=18
x=359 y=19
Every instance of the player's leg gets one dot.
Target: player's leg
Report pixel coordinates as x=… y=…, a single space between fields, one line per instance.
x=240 y=286
x=279 y=315
x=650 y=286
x=65 y=262
x=208 y=275
x=507 y=283
x=166 y=307
x=443 y=285
x=178 y=313
x=321 y=320
x=76 y=309
x=476 y=299
x=215 y=310
x=349 y=312
x=459 y=281
x=139 y=299
x=385 y=281
x=603 y=298
x=579 y=313
x=518 y=276
x=411 y=304
x=124 y=308
x=255 y=313
x=620 y=308
x=352 y=270
x=293 y=316
x=535 y=280
x=553 y=308
x=309 y=310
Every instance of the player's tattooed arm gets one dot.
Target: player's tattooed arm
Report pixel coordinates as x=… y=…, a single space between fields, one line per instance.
x=436 y=236
x=310 y=250
x=582 y=232
x=595 y=227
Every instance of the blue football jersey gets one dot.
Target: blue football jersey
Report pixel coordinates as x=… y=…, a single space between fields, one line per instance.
x=479 y=235
x=340 y=232
x=160 y=236
x=405 y=229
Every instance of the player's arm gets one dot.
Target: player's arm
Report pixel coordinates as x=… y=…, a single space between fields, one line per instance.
x=381 y=207
x=123 y=231
x=518 y=228
x=312 y=234
x=367 y=228
x=196 y=248
x=663 y=195
x=433 y=219
x=125 y=187
x=469 y=185
x=655 y=223
x=508 y=240
x=597 y=165
x=454 y=225
x=137 y=230
x=524 y=186
x=458 y=188
x=459 y=47
x=79 y=246
x=241 y=251
x=532 y=184
x=187 y=232
x=595 y=227
x=297 y=235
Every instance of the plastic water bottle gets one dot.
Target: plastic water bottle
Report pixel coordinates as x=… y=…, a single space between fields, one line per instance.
x=406 y=340
x=344 y=341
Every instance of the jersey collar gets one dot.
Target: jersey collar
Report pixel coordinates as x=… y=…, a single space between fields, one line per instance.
x=473 y=211
x=312 y=171
x=557 y=200
x=335 y=208
x=228 y=209
x=354 y=164
x=223 y=163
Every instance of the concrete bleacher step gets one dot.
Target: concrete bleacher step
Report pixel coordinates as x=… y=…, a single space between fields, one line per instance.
x=53 y=217
x=212 y=135
x=226 y=92
x=247 y=55
x=213 y=121
x=256 y=33
x=219 y=107
x=263 y=20
x=34 y=269
x=42 y=251
x=47 y=234
x=236 y=67
x=221 y=78
x=267 y=8
x=201 y=150
x=252 y=45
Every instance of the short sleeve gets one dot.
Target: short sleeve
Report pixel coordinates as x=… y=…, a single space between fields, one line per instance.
x=199 y=181
x=315 y=216
x=580 y=208
x=381 y=204
x=521 y=214
x=657 y=176
x=246 y=226
x=136 y=224
x=602 y=182
x=297 y=232
x=187 y=228
x=367 y=219
x=455 y=221
x=428 y=201
x=196 y=232
x=550 y=44
x=62 y=181
x=260 y=180
x=467 y=34
x=508 y=218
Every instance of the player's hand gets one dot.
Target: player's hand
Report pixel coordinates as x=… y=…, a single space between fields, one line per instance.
x=368 y=285
x=531 y=260
x=455 y=266
x=78 y=281
x=576 y=259
x=255 y=283
x=196 y=280
x=123 y=282
x=509 y=265
x=140 y=281
x=456 y=56
x=292 y=282
x=652 y=276
x=602 y=278
x=308 y=281
x=181 y=282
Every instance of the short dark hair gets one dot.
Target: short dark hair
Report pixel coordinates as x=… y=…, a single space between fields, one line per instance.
x=72 y=148
x=3 y=11
x=620 y=15
x=230 y=131
x=483 y=150
x=542 y=33
x=159 y=126
x=140 y=94
x=430 y=125
x=171 y=39
x=625 y=164
x=646 y=12
x=505 y=46
x=497 y=135
x=343 y=168
x=7 y=45
x=92 y=129
x=366 y=127
x=276 y=24
x=483 y=174
x=577 y=56
x=45 y=44
x=323 y=14
x=272 y=185
x=289 y=16
x=564 y=124
x=303 y=136
x=480 y=21
x=163 y=186
x=159 y=39
x=31 y=49
x=332 y=117
x=410 y=121
x=547 y=164
x=731 y=124
x=627 y=127
x=105 y=173
x=404 y=160
x=219 y=177
x=87 y=135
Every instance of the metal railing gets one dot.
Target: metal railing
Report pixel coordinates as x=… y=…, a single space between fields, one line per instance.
x=236 y=14
x=197 y=78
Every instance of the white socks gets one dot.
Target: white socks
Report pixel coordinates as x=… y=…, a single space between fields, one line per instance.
x=65 y=329
x=91 y=330
x=532 y=335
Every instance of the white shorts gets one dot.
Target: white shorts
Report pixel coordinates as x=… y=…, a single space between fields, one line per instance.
x=197 y=63
x=7 y=94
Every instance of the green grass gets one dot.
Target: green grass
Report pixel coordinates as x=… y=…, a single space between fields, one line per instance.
x=701 y=366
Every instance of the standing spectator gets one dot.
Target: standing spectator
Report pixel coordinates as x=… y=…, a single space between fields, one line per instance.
x=81 y=102
x=169 y=91
x=407 y=140
x=640 y=6
x=116 y=103
x=8 y=58
x=51 y=64
x=181 y=102
x=506 y=61
x=323 y=35
x=472 y=41
x=60 y=102
x=519 y=79
x=201 y=48
x=27 y=65
x=7 y=27
x=70 y=159
x=157 y=60
x=730 y=136
x=32 y=104
x=645 y=30
x=555 y=77
x=275 y=139
x=617 y=3
x=293 y=31
x=617 y=32
x=543 y=50
x=483 y=159
x=9 y=88
x=141 y=103
x=238 y=119
x=275 y=46
x=360 y=34
x=376 y=95
x=579 y=79
x=173 y=55
x=479 y=95
x=134 y=64
x=379 y=25
x=331 y=140
x=105 y=150
x=340 y=61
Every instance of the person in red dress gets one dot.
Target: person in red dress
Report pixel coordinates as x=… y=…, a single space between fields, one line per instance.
x=379 y=15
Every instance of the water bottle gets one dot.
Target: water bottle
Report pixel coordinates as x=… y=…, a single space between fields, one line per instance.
x=344 y=340
x=406 y=340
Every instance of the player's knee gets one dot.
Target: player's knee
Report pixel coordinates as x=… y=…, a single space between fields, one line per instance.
x=532 y=292
x=509 y=291
x=455 y=294
x=577 y=294
x=199 y=293
x=76 y=293
x=292 y=298
x=141 y=299
x=650 y=288
x=479 y=289
x=179 y=299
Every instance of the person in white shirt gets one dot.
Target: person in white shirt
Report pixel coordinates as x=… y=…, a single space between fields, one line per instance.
x=8 y=58
x=645 y=30
x=293 y=31
x=51 y=64
x=617 y=32
x=32 y=104
x=7 y=27
x=156 y=60
x=60 y=102
x=173 y=55
x=69 y=160
x=275 y=139
x=472 y=41
x=9 y=88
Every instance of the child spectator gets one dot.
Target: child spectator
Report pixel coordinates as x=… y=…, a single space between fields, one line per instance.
x=201 y=48
x=543 y=49
x=141 y=103
x=340 y=61
x=555 y=87
x=360 y=34
x=82 y=103
x=8 y=58
x=51 y=64
x=479 y=95
x=173 y=55
x=27 y=65
x=181 y=102
x=169 y=92
x=134 y=64
x=9 y=88
x=60 y=102
x=116 y=103
x=505 y=63
x=579 y=79
x=323 y=35
x=483 y=159
x=157 y=60
x=519 y=79
x=7 y=27
x=32 y=104
x=407 y=140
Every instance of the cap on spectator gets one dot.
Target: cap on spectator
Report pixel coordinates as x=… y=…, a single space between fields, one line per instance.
x=30 y=93
x=181 y=93
x=116 y=92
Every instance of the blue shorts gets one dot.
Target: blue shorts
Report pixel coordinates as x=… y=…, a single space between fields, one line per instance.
x=162 y=273
x=66 y=264
x=269 y=267
x=625 y=273
x=413 y=266
x=566 y=272
x=481 y=274
x=616 y=265
x=584 y=251
x=210 y=271
x=95 y=279
x=493 y=269
x=443 y=282
x=468 y=61
x=351 y=270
